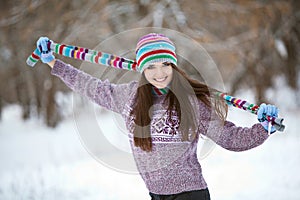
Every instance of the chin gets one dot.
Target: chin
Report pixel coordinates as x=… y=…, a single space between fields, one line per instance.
x=160 y=86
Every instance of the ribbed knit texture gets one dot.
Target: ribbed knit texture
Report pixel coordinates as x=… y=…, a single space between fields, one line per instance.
x=153 y=48
x=172 y=167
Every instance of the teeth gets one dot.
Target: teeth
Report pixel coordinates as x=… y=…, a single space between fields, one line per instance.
x=160 y=79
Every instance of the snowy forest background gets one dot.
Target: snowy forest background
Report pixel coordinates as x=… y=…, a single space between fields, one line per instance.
x=254 y=43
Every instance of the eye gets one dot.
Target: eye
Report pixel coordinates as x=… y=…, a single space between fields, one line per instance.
x=150 y=67
x=166 y=64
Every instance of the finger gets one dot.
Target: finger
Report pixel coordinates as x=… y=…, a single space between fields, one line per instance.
x=41 y=44
x=44 y=45
x=269 y=110
x=45 y=38
x=38 y=44
x=277 y=111
x=261 y=111
x=49 y=44
x=274 y=111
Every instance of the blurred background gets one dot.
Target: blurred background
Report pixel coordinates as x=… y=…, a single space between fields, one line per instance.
x=254 y=43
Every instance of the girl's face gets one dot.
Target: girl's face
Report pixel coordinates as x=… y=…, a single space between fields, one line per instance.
x=159 y=74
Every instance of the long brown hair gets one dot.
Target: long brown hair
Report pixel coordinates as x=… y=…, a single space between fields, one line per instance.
x=181 y=87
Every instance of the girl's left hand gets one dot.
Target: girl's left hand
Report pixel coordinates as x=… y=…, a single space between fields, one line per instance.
x=264 y=111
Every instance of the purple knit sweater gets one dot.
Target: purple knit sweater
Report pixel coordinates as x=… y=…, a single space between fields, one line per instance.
x=172 y=166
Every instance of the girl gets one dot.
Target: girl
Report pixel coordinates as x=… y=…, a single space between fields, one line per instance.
x=165 y=113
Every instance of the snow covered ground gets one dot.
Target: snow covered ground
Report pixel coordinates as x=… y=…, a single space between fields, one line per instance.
x=41 y=163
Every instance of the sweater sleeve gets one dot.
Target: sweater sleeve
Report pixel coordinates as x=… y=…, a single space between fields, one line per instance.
x=110 y=96
x=228 y=135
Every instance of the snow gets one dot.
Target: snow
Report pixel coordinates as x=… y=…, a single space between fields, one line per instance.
x=42 y=163
x=281 y=48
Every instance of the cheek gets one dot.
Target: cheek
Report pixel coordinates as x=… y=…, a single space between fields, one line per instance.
x=170 y=72
x=148 y=76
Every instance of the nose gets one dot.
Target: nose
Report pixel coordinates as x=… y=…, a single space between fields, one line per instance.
x=160 y=71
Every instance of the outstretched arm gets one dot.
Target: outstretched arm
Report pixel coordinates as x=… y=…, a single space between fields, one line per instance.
x=104 y=93
x=227 y=134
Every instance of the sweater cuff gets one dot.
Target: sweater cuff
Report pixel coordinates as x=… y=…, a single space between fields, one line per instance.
x=263 y=132
x=58 y=68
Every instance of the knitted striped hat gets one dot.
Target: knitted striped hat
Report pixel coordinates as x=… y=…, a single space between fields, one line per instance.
x=153 y=48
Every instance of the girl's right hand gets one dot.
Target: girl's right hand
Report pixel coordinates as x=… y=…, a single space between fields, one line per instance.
x=43 y=44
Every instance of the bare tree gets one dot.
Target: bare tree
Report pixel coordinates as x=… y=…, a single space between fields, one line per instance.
x=252 y=42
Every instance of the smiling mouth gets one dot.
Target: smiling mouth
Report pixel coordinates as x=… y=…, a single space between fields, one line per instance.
x=160 y=79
